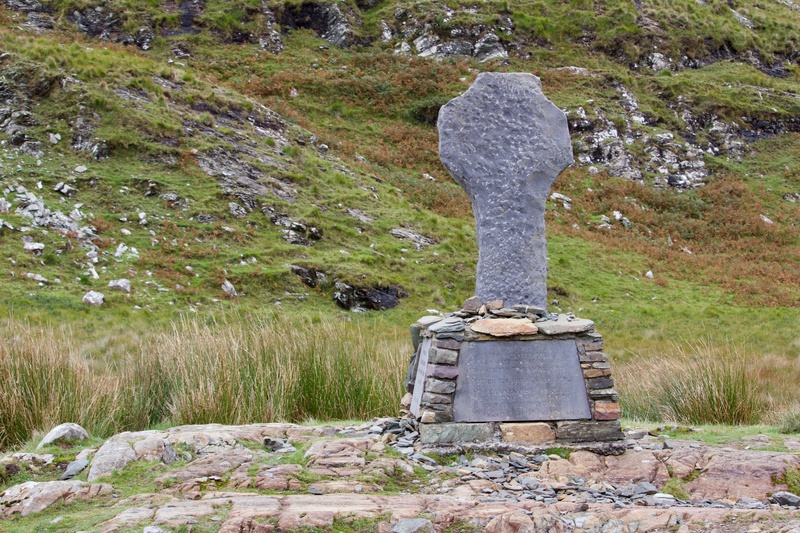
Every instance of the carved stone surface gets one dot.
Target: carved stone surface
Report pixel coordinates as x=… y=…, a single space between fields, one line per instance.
x=505 y=143
x=501 y=381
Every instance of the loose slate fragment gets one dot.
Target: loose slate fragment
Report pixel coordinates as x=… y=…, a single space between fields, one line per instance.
x=505 y=143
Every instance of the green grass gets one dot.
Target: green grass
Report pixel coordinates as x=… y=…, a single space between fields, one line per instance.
x=792 y=479
x=674 y=486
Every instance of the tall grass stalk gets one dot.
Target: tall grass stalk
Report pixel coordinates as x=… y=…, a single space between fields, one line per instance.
x=232 y=371
x=694 y=384
x=44 y=381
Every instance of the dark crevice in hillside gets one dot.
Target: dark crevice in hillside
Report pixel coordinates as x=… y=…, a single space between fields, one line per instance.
x=189 y=11
x=332 y=23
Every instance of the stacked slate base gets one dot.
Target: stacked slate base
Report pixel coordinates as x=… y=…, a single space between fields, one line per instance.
x=526 y=378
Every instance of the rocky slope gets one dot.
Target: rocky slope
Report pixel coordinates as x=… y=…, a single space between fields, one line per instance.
x=378 y=477
x=145 y=101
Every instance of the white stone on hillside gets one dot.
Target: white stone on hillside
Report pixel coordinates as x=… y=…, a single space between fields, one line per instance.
x=120 y=285
x=229 y=289
x=93 y=298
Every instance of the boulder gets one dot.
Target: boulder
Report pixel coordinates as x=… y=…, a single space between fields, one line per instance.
x=122 y=284
x=413 y=525
x=114 y=455
x=66 y=431
x=93 y=298
x=32 y=497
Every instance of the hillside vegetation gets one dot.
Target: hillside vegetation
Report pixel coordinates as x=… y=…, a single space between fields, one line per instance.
x=259 y=158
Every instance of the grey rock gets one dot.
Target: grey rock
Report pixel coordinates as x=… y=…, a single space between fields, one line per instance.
x=35 y=248
x=93 y=298
x=377 y=298
x=472 y=305
x=456 y=49
x=564 y=325
x=662 y=498
x=237 y=210
x=448 y=325
x=441 y=356
x=505 y=143
x=413 y=525
x=36 y=277
x=489 y=47
x=645 y=488
x=438 y=386
x=74 y=468
x=229 y=289
x=66 y=431
x=580 y=431
x=111 y=457
x=454 y=432
x=419 y=241
x=122 y=284
x=786 y=498
x=429 y=320
x=153 y=529
x=64 y=189
x=338 y=30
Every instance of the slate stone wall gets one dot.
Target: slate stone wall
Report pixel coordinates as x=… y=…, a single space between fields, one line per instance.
x=438 y=343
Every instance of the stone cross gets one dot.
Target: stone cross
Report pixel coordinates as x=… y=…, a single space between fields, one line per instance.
x=505 y=143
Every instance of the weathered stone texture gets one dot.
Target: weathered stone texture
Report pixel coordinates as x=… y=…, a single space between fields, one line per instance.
x=527 y=432
x=505 y=143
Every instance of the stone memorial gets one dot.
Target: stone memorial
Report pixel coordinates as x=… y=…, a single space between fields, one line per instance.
x=505 y=143
x=502 y=367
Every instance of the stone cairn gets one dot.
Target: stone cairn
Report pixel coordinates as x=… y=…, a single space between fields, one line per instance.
x=502 y=368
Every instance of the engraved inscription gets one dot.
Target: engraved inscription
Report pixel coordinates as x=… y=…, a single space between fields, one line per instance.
x=419 y=380
x=520 y=381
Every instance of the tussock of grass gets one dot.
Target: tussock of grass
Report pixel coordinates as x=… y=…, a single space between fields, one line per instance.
x=256 y=370
x=698 y=384
x=675 y=487
x=791 y=421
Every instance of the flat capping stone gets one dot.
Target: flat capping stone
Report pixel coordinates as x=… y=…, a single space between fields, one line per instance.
x=480 y=337
x=453 y=432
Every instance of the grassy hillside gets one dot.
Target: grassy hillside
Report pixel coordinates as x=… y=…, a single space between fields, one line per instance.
x=237 y=141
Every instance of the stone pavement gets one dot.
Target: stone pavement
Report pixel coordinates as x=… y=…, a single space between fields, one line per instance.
x=257 y=478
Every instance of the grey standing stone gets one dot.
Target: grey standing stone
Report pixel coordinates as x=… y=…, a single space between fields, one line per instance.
x=505 y=143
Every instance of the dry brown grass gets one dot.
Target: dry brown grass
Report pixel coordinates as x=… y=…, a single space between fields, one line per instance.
x=704 y=383
x=253 y=369
x=732 y=248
